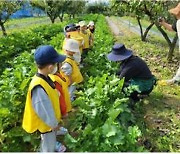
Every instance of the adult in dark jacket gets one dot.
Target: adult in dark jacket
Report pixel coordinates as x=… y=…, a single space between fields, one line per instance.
x=138 y=77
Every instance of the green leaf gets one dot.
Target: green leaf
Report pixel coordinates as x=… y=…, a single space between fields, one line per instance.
x=27 y=138
x=69 y=138
x=24 y=83
x=113 y=113
x=109 y=129
x=87 y=130
x=118 y=139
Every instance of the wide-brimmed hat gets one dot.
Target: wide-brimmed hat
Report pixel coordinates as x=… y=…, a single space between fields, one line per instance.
x=72 y=45
x=175 y=11
x=46 y=54
x=119 y=53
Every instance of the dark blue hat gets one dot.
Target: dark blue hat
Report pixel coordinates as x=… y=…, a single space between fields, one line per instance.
x=46 y=54
x=70 y=28
x=119 y=53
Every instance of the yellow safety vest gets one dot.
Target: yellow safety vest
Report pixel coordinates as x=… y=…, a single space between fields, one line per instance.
x=76 y=36
x=86 y=39
x=91 y=41
x=76 y=74
x=31 y=121
x=64 y=84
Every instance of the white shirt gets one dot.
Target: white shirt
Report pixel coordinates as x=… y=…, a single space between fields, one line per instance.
x=178 y=31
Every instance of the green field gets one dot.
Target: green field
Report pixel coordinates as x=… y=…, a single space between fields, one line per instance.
x=101 y=120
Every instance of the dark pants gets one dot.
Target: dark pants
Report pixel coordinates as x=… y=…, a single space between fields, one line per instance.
x=84 y=54
x=136 y=95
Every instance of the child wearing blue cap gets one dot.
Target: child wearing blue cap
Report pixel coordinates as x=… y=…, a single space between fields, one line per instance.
x=42 y=111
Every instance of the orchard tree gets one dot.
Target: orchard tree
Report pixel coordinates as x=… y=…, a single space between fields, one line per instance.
x=74 y=7
x=97 y=7
x=153 y=10
x=48 y=6
x=7 y=8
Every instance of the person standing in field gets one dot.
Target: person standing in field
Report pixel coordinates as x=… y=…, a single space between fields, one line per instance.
x=71 y=32
x=70 y=67
x=42 y=108
x=175 y=27
x=86 y=36
x=91 y=30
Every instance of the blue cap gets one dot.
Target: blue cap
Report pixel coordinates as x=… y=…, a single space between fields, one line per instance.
x=46 y=54
x=70 y=28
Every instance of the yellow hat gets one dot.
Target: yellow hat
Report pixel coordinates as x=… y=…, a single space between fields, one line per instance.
x=175 y=11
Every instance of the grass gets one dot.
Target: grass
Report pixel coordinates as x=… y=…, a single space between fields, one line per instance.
x=158 y=115
x=16 y=25
x=145 y=24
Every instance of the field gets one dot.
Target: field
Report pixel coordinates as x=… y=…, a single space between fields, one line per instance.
x=102 y=120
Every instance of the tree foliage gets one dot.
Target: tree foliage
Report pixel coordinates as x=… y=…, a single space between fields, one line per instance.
x=151 y=10
x=7 y=8
x=98 y=7
x=55 y=8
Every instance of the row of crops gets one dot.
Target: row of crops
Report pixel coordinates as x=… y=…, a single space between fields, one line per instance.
x=103 y=120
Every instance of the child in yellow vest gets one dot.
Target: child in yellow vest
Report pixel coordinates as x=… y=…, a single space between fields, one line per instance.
x=42 y=111
x=91 y=29
x=72 y=32
x=86 y=35
x=59 y=80
x=70 y=67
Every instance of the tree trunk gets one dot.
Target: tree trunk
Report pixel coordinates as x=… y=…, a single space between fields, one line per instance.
x=61 y=16
x=3 y=28
x=73 y=16
x=146 y=31
x=69 y=16
x=170 y=44
x=140 y=26
x=164 y=34
x=52 y=20
x=172 y=47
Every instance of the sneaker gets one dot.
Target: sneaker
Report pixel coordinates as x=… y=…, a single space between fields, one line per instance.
x=62 y=131
x=60 y=147
x=171 y=81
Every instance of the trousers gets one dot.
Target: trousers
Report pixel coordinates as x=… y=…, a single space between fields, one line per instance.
x=48 y=142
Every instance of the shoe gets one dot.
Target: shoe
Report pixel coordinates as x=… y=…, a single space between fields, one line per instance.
x=62 y=131
x=60 y=147
x=171 y=81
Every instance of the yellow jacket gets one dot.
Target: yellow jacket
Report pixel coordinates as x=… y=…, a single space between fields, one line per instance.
x=76 y=75
x=76 y=36
x=91 y=38
x=64 y=83
x=86 y=37
x=31 y=121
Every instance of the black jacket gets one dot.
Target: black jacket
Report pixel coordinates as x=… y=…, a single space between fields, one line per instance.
x=134 y=67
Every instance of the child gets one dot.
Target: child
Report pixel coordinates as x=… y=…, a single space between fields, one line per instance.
x=61 y=84
x=86 y=35
x=91 y=29
x=42 y=111
x=72 y=32
x=70 y=68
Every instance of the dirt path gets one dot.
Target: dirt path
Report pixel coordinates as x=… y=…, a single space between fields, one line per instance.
x=114 y=28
